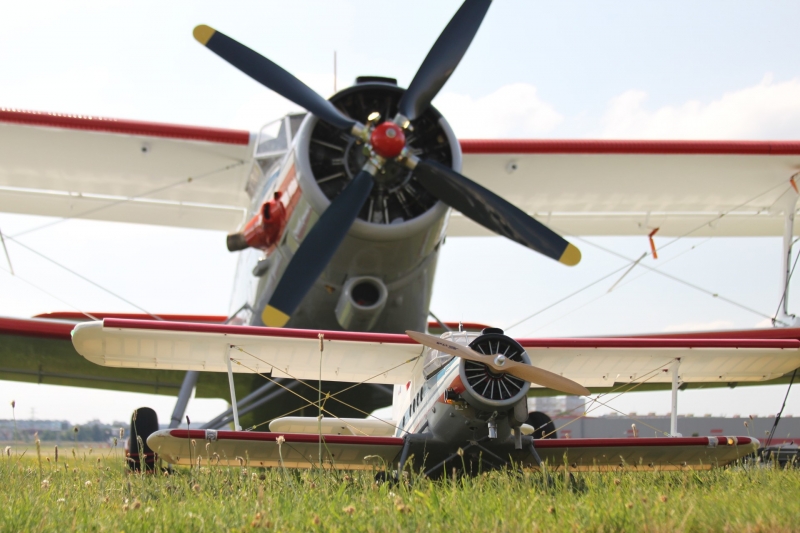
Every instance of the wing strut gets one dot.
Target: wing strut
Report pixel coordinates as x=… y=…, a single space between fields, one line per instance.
x=189 y=382
x=673 y=417
x=234 y=407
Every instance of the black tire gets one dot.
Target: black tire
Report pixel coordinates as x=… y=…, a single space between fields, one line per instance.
x=144 y=422
x=543 y=425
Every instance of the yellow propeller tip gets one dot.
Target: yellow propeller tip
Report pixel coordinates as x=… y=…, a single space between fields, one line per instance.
x=274 y=318
x=571 y=255
x=203 y=33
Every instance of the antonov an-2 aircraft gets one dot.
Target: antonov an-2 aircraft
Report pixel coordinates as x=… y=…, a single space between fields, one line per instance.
x=345 y=210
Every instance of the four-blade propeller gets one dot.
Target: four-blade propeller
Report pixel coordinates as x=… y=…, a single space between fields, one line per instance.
x=500 y=364
x=384 y=142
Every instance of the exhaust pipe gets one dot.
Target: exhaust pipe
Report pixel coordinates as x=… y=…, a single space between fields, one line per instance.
x=362 y=300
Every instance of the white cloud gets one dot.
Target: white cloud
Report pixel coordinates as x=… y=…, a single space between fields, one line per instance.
x=513 y=110
x=765 y=111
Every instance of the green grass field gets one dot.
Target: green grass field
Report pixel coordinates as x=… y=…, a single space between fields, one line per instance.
x=87 y=492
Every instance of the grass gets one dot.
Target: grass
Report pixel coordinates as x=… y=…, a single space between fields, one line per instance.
x=87 y=492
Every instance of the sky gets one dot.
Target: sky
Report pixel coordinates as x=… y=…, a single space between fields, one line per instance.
x=655 y=70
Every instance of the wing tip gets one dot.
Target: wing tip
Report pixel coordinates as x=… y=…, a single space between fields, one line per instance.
x=203 y=33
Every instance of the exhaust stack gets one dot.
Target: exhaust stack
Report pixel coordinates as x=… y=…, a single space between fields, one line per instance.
x=362 y=300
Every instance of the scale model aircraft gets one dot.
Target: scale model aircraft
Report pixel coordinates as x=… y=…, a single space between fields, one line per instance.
x=342 y=212
x=459 y=401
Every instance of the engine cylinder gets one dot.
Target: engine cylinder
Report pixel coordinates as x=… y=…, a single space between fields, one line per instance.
x=328 y=159
x=362 y=300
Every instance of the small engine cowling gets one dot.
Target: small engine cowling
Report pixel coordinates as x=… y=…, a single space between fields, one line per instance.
x=485 y=389
x=263 y=230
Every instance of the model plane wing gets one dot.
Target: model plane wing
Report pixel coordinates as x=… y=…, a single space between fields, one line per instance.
x=606 y=361
x=668 y=453
x=390 y=358
x=371 y=426
x=121 y=170
x=279 y=352
x=234 y=448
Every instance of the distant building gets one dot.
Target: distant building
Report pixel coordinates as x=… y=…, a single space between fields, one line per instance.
x=619 y=426
x=29 y=427
x=554 y=406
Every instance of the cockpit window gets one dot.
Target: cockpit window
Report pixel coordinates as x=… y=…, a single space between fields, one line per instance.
x=434 y=362
x=273 y=138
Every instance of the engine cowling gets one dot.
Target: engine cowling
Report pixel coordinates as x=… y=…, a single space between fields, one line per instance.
x=486 y=389
x=328 y=158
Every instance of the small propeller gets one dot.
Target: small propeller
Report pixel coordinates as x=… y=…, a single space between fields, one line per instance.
x=499 y=363
x=443 y=58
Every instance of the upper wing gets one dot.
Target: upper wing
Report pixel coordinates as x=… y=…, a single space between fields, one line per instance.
x=607 y=361
x=588 y=187
x=122 y=170
x=281 y=352
x=129 y=171
x=390 y=358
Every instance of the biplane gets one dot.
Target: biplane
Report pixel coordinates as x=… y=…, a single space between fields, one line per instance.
x=338 y=216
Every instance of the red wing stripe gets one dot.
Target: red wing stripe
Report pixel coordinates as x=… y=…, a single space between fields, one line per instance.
x=592 y=146
x=155 y=325
x=200 y=434
x=30 y=327
x=127 y=127
x=642 y=441
x=393 y=338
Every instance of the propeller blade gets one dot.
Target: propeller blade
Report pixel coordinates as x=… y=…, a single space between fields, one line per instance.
x=524 y=371
x=443 y=58
x=271 y=76
x=316 y=250
x=545 y=378
x=494 y=213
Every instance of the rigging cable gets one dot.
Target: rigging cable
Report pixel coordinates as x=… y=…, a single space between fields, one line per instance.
x=182 y=181
x=38 y=288
x=84 y=278
x=631 y=262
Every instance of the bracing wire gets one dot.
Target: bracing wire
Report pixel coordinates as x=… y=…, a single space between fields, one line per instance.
x=50 y=294
x=328 y=396
x=81 y=276
x=631 y=262
x=182 y=181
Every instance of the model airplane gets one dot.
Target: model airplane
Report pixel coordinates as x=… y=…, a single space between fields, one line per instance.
x=347 y=207
x=459 y=400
